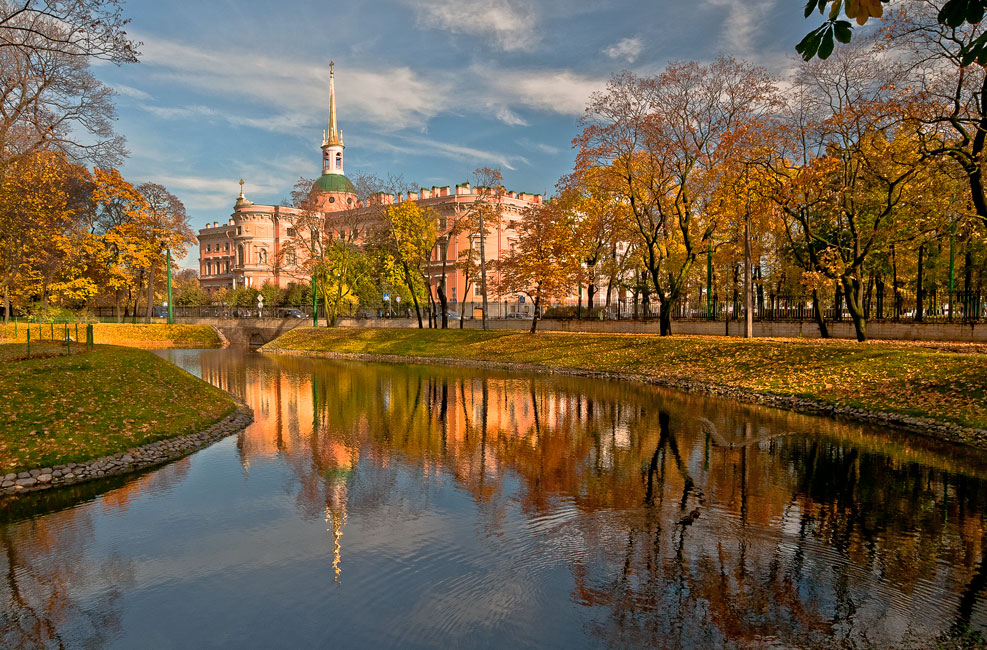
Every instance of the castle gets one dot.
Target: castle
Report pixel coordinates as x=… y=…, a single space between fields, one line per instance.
x=247 y=249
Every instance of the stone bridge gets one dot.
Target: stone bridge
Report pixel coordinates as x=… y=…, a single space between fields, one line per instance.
x=252 y=332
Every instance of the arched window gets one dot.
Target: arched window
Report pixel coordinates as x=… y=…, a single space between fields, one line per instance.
x=339 y=160
x=239 y=255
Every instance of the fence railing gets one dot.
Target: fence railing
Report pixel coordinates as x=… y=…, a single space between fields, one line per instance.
x=880 y=304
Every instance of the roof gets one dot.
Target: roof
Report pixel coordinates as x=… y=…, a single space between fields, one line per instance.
x=333 y=183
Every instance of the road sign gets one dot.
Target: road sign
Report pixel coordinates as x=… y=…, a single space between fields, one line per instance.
x=397 y=298
x=387 y=297
x=520 y=299
x=260 y=299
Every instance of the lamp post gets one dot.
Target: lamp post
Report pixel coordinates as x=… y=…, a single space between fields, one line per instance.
x=171 y=312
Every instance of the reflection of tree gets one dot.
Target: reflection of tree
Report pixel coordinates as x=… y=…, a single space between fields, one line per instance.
x=704 y=524
x=43 y=571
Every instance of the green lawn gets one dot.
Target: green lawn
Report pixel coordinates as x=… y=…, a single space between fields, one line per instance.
x=63 y=409
x=138 y=335
x=946 y=382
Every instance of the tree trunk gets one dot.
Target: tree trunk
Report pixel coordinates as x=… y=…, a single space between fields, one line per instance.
x=853 y=290
x=818 y=313
x=534 y=319
x=665 y=317
x=483 y=267
x=6 y=304
x=441 y=289
x=748 y=289
x=414 y=295
x=919 y=288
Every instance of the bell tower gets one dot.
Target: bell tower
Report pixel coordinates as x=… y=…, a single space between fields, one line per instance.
x=332 y=142
x=332 y=191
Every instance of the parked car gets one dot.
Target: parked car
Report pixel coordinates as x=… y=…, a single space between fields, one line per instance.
x=452 y=315
x=159 y=312
x=292 y=313
x=516 y=315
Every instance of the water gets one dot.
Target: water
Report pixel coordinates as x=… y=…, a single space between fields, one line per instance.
x=375 y=506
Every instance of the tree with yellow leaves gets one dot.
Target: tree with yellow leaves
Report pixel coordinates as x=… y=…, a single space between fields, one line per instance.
x=544 y=264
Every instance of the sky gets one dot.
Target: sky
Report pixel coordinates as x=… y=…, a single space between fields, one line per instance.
x=426 y=89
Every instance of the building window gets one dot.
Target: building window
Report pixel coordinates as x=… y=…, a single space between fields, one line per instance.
x=339 y=161
x=292 y=232
x=208 y=268
x=454 y=294
x=226 y=247
x=476 y=289
x=289 y=258
x=239 y=230
x=208 y=248
x=239 y=255
x=332 y=199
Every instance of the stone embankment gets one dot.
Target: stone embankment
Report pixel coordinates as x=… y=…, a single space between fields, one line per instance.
x=132 y=460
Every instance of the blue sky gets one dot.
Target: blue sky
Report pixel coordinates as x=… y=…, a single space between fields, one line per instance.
x=429 y=89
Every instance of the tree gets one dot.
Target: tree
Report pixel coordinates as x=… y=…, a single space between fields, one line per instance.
x=659 y=142
x=115 y=234
x=951 y=17
x=483 y=214
x=164 y=225
x=412 y=235
x=80 y=28
x=38 y=223
x=545 y=262
x=950 y=93
x=50 y=100
x=858 y=160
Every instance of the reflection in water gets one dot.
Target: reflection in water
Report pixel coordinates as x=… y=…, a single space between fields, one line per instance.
x=486 y=509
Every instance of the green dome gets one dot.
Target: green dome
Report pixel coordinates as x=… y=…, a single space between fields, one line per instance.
x=333 y=183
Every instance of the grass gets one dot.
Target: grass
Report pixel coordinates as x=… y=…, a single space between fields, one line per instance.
x=63 y=409
x=945 y=382
x=136 y=336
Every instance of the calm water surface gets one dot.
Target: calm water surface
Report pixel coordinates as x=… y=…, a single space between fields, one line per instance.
x=374 y=506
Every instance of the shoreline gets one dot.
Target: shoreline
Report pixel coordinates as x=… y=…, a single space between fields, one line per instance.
x=926 y=427
x=132 y=460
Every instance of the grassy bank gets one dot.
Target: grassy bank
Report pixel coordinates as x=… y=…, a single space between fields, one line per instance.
x=947 y=383
x=135 y=336
x=72 y=408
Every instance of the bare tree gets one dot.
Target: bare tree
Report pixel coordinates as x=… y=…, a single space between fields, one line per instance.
x=50 y=100
x=92 y=29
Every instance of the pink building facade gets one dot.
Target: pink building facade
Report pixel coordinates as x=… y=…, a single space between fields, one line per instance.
x=246 y=250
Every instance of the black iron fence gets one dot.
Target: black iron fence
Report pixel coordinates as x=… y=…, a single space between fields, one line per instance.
x=879 y=305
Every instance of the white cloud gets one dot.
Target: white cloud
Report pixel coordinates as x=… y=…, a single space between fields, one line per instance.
x=741 y=23
x=510 y=24
x=419 y=145
x=554 y=91
x=390 y=98
x=509 y=117
x=130 y=91
x=627 y=49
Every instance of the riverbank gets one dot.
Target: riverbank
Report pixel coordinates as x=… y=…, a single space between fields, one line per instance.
x=933 y=389
x=153 y=336
x=70 y=409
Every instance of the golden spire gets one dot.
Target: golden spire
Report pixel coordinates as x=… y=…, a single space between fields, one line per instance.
x=332 y=137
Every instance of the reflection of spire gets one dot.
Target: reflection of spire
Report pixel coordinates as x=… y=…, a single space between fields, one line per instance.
x=335 y=521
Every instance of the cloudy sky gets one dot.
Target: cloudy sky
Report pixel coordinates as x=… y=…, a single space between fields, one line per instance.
x=429 y=89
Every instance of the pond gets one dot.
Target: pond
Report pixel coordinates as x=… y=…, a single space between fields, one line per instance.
x=384 y=505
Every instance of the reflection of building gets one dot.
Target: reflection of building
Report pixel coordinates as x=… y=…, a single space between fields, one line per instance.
x=246 y=251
